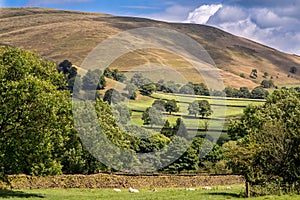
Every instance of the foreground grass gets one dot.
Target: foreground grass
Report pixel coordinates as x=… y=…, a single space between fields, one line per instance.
x=145 y=194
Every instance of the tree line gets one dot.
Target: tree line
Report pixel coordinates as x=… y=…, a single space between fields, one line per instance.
x=38 y=137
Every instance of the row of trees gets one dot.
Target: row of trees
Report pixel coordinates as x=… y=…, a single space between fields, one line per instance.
x=37 y=134
x=38 y=137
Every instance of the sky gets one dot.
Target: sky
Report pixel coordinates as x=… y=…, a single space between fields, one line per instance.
x=275 y=23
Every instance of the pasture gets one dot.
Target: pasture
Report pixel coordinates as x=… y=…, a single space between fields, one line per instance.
x=223 y=109
x=217 y=193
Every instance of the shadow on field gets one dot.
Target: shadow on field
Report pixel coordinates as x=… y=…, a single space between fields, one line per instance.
x=18 y=194
x=224 y=194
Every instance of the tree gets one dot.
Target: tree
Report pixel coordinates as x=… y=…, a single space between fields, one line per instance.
x=159 y=104
x=138 y=80
x=34 y=114
x=171 y=106
x=232 y=92
x=193 y=108
x=113 y=96
x=121 y=113
x=267 y=84
x=65 y=67
x=244 y=92
x=201 y=107
x=267 y=150
x=293 y=70
x=266 y=74
x=147 y=89
x=201 y=89
x=131 y=88
x=118 y=76
x=108 y=73
x=253 y=74
x=93 y=80
x=259 y=93
x=187 y=89
x=152 y=116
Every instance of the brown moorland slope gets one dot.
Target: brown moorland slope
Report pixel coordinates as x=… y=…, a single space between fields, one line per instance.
x=59 y=35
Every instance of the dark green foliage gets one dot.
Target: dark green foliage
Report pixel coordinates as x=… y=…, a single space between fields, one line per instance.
x=267 y=152
x=114 y=74
x=187 y=89
x=293 y=70
x=152 y=116
x=171 y=106
x=253 y=74
x=108 y=73
x=232 y=92
x=267 y=84
x=35 y=118
x=201 y=89
x=159 y=104
x=113 y=96
x=188 y=161
x=93 y=80
x=201 y=107
x=139 y=80
x=259 y=93
x=65 y=67
x=244 y=92
x=122 y=113
x=266 y=74
x=131 y=88
x=147 y=89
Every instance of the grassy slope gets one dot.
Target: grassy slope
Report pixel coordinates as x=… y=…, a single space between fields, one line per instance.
x=216 y=193
x=59 y=35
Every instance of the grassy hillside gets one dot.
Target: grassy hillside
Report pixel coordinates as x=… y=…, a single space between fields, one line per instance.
x=59 y=35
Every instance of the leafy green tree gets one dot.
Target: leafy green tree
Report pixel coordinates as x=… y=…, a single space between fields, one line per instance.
x=118 y=76
x=244 y=92
x=152 y=116
x=131 y=88
x=267 y=84
x=113 y=96
x=147 y=89
x=159 y=104
x=266 y=152
x=167 y=130
x=139 y=80
x=293 y=70
x=171 y=87
x=201 y=89
x=193 y=108
x=65 y=67
x=171 y=106
x=201 y=107
x=259 y=93
x=93 y=80
x=121 y=113
x=34 y=114
x=108 y=73
x=188 y=161
x=187 y=89
x=232 y=92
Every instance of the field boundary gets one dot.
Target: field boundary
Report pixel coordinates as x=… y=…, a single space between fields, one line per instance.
x=21 y=182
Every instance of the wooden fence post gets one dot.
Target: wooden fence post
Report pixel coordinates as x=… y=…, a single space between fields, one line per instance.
x=248 y=191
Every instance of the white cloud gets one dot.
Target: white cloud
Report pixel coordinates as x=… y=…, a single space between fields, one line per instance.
x=202 y=14
x=278 y=28
x=173 y=13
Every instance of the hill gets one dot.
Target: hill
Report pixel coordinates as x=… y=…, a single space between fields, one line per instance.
x=59 y=35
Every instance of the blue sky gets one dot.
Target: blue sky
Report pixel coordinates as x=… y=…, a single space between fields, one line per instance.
x=275 y=23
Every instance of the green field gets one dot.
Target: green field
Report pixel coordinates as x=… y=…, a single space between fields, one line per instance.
x=217 y=193
x=223 y=108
